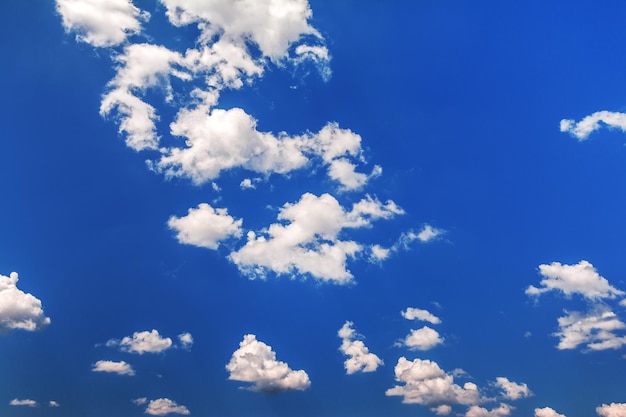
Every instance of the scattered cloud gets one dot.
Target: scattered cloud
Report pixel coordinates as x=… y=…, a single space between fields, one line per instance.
x=512 y=390
x=120 y=368
x=99 y=23
x=163 y=406
x=24 y=402
x=595 y=330
x=412 y=313
x=547 y=412
x=360 y=359
x=52 y=403
x=19 y=310
x=139 y=401
x=205 y=226
x=256 y=362
x=422 y=339
x=612 y=410
x=500 y=411
x=582 y=129
x=185 y=340
x=581 y=278
x=142 y=342
x=309 y=243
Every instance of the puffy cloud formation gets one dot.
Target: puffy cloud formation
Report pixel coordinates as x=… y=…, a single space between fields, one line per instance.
x=120 y=368
x=205 y=226
x=101 y=23
x=582 y=129
x=256 y=362
x=142 y=342
x=164 y=406
x=309 y=243
x=25 y=402
x=500 y=411
x=612 y=410
x=424 y=382
x=581 y=278
x=422 y=339
x=360 y=359
x=412 y=313
x=547 y=412
x=595 y=330
x=19 y=310
x=513 y=390
x=185 y=340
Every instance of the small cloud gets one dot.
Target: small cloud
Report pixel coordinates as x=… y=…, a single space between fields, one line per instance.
x=501 y=411
x=422 y=339
x=142 y=342
x=378 y=253
x=360 y=359
x=589 y=124
x=164 y=406
x=612 y=410
x=185 y=340
x=256 y=362
x=139 y=401
x=25 y=403
x=418 y=314
x=53 y=404
x=547 y=412
x=120 y=368
x=596 y=330
x=512 y=390
x=19 y=310
x=205 y=226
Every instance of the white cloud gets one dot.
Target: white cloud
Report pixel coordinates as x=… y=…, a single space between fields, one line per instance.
x=256 y=362
x=101 y=23
x=140 y=401
x=582 y=129
x=142 y=342
x=412 y=313
x=360 y=359
x=612 y=410
x=205 y=226
x=500 y=411
x=120 y=368
x=185 y=340
x=52 y=403
x=547 y=412
x=428 y=233
x=19 y=310
x=513 y=390
x=164 y=406
x=25 y=402
x=424 y=382
x=581 y=278
x=423 y=339
x=309 y=243
x=596 y=330
x=378 y=253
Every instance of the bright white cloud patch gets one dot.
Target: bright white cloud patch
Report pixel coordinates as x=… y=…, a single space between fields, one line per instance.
x=53 y=404
x=424 y=382
x=412 y=313
x=24 y=402
x=423 y=339
x=120 y=368
x=164 y=406
x=185 y=340
x=595 y=331
x=309 y=242
x=360 y=359
x=547 y=412
x=500 y=411
x=612 y=410
x=19 y=310
x=205 y=226
x=101 y=23
x=142 y=342
x=582 y=129
x=256 y=362
x=581 y=278
x=513 y=390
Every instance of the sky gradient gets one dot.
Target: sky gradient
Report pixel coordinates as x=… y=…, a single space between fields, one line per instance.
x=341 y=209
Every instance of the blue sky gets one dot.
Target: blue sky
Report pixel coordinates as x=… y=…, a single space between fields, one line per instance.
x=347 y=208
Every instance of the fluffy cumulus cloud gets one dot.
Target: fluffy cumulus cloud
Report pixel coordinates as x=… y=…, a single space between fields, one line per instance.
x=185 y=341
x=589 y=124
x=500 y=411
x=142 y=342
x=596 y=330
x=120 y=368
x=581 y=278
x=205 y=226
x=547 y=412
x=612 y=410
x=255 y=362
x=101 y=23
x=512 y=390
x=309 y=242
x=360 y=359
x=422 y=339
x=19 y=310
x=412 y=313
x=423 y=382
x=23 y=403
x=163 y=406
